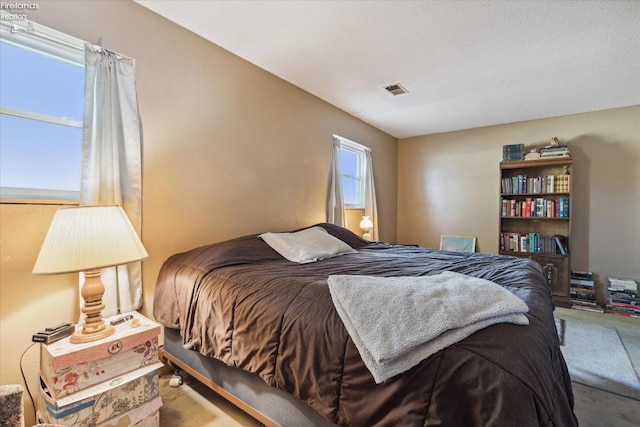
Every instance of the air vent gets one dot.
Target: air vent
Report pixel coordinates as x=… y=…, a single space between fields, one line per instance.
x=396 y=89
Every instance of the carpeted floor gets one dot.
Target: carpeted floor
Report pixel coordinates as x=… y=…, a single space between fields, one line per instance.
x=193 y=405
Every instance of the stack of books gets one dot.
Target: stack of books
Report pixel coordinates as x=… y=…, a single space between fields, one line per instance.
x=623 y=297
x=532 y=155
x=512 y=152
x=583 y=291
x=554 y=151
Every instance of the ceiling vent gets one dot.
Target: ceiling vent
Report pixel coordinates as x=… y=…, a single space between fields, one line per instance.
x=396 y=89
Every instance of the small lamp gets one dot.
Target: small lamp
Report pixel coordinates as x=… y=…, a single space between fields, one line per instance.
x=87 y=239
x=366 y=226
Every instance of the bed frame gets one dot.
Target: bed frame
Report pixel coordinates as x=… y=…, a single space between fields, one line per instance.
x=249 y=392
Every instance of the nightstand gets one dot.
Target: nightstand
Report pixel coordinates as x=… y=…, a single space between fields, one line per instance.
x=102 y=382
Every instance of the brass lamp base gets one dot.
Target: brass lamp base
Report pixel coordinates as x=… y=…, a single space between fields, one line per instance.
x=94 y=327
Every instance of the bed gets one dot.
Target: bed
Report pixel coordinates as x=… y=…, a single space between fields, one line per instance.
x=265 y=333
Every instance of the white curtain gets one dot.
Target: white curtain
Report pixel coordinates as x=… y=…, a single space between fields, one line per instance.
x=335 y=205
x=112 y=160
x=370 y=205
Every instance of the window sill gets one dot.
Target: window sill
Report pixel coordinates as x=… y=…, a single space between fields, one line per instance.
x=8 y=201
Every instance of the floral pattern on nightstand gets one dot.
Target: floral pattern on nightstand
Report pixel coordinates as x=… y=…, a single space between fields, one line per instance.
x=107 y=404
x=68 y=380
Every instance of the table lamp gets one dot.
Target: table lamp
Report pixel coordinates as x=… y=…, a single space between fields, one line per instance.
x=87 y=239
x=366 y=226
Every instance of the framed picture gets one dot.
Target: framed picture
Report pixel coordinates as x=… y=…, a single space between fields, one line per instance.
x=458 y=243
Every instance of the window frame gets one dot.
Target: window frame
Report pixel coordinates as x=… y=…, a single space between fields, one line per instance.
x=360 y=151
x=45 y=41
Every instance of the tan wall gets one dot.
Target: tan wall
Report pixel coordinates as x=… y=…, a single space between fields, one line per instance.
x=229 y=149
x=448 y=184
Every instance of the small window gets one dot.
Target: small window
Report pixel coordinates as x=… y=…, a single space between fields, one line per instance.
x=41 y=109
x=352 y=170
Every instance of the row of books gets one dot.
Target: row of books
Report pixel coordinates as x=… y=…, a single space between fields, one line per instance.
x=523 y=184
x=538 y=207
x=512 y=152
x=583 y=291
x=512 y=241
x=623 y=297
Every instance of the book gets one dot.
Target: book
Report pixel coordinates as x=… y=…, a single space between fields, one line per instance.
x=560 y=244
x=632 y=306
x=555 y=151
x=583 y=283
x=532 y=155
x=512 y=152
x=580 y=289
x=623 y=284
x=581 y=274
x=628 y=292
x=624 y=295
x=582 y=297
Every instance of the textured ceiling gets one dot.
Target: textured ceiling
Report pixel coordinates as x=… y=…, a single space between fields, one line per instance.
x=466 y=64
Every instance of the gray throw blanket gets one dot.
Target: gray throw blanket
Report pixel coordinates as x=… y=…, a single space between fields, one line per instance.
x=396 y=322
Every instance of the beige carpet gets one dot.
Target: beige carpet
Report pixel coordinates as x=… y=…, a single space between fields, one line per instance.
x=194 y=405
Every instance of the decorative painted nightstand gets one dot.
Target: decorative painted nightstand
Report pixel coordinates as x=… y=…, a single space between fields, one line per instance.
x=112 y=381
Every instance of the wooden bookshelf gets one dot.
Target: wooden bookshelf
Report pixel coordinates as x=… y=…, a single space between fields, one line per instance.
x=535 y=217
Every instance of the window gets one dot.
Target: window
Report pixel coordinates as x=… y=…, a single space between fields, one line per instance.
x=352 y=170
x=41 y=109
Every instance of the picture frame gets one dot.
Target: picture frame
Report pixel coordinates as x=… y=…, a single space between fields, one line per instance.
x=457 y=243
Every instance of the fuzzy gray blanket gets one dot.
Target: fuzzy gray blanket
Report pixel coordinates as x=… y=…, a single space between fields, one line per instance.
x=396 y=322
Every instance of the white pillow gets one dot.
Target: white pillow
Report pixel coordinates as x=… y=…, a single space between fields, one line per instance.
x=307 y=245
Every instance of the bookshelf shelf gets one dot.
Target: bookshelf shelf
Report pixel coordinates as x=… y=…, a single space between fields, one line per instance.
x=533 y=194
x=535 y=217
x=519 y=164
x=528 y=255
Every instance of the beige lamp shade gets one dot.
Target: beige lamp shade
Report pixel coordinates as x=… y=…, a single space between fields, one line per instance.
x=88 y=238
x=366 y=223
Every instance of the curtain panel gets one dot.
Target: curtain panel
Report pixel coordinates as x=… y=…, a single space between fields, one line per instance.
x=112 y=160
x=370 y=204
x=335 y=205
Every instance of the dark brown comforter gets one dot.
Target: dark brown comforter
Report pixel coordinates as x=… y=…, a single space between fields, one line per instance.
x=242 y=303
